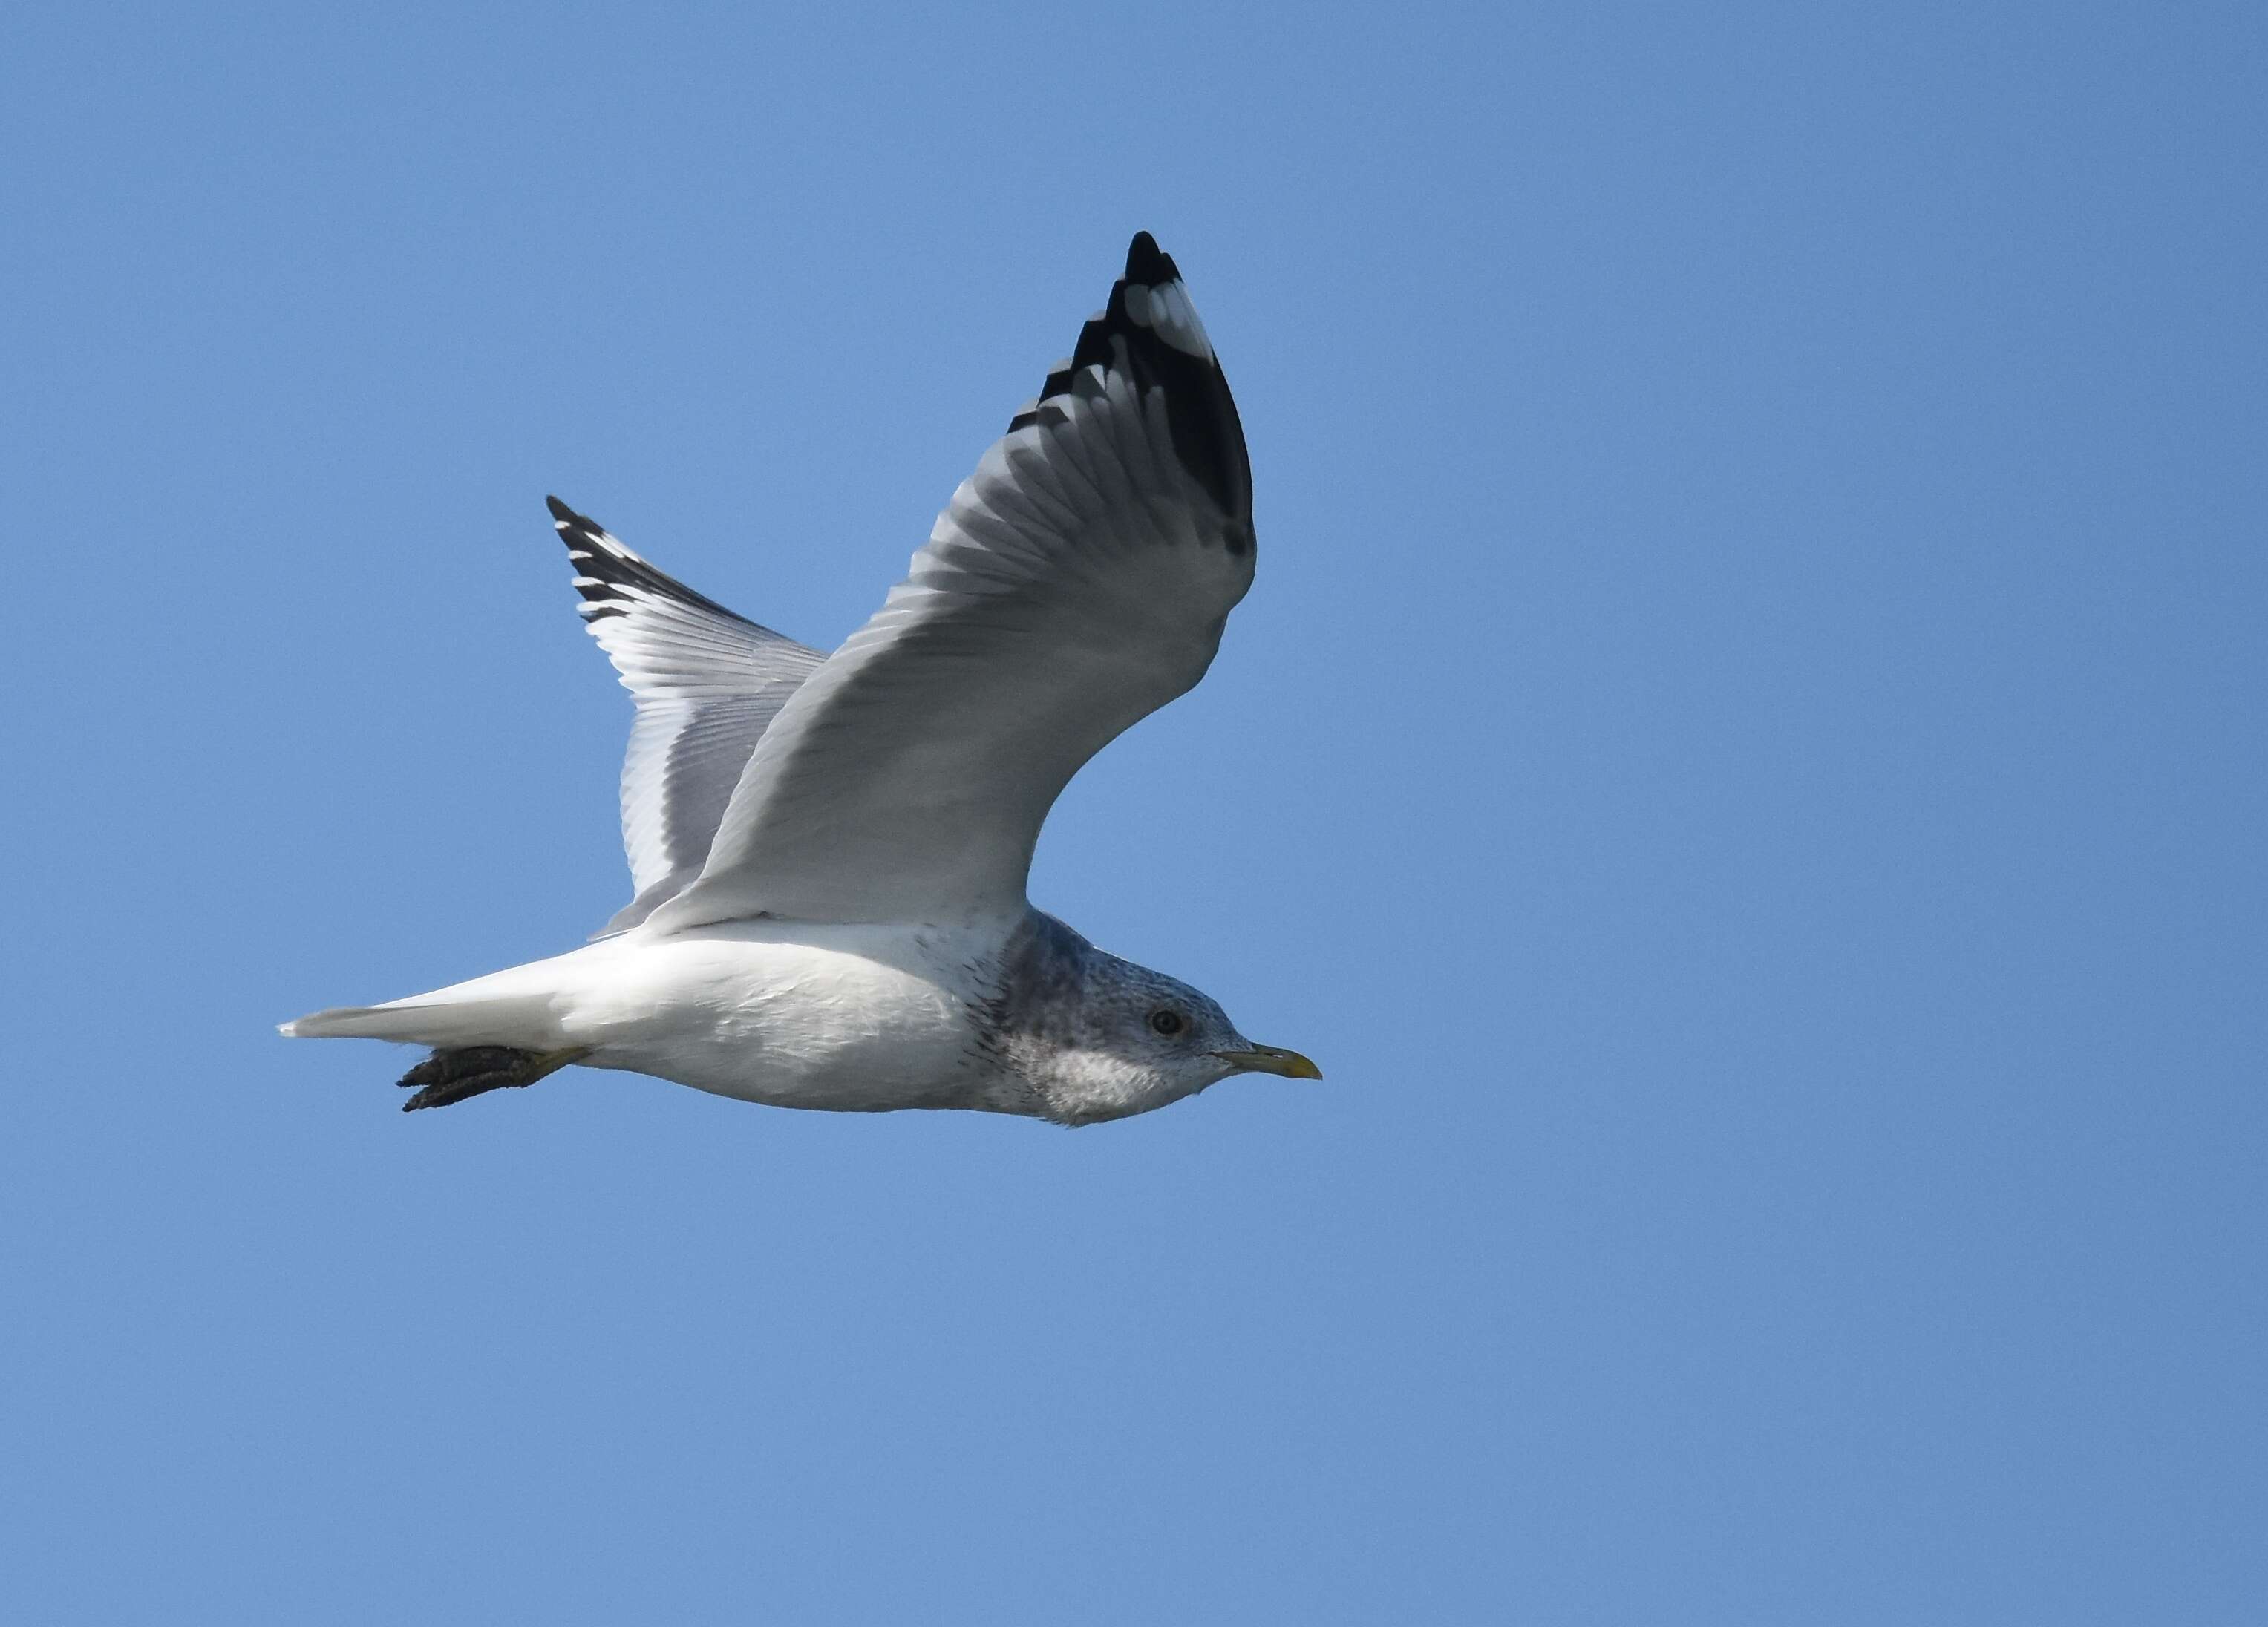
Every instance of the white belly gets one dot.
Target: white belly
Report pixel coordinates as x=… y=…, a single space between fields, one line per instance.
x=854 y=1019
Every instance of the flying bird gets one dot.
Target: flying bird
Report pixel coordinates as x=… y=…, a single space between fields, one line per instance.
x=829 y=852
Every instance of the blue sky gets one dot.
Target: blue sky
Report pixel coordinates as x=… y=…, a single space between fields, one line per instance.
x=1743 y=762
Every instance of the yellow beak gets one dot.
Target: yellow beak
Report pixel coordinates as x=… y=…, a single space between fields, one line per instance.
x=1267 y=1059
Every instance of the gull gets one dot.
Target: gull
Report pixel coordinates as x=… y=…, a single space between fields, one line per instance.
x=829 y=852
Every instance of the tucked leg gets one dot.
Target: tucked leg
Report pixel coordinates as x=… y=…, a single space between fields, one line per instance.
x=448 y=1077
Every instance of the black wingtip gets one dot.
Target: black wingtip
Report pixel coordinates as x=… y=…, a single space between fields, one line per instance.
x=1208 y=436
x=1147 y=264
x=604 y=568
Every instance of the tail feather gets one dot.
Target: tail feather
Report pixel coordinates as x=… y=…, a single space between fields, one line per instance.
x=347 y=1022
x=525 y=1022
x=518 y=1007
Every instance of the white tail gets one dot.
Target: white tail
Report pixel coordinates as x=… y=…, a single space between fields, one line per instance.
x=515 y=1007
x=408 y=1020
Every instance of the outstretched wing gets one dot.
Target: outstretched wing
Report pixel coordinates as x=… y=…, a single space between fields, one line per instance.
x=707 y=684
x=1077 y=582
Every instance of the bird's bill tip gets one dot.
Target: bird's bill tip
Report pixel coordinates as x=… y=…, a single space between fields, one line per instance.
x=1271 y=1059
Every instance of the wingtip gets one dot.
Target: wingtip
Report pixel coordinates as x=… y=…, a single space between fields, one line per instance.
x=560 y=512
x=1148 y=264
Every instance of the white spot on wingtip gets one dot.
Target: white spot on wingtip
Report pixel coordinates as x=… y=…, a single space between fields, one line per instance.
x=1177 y=322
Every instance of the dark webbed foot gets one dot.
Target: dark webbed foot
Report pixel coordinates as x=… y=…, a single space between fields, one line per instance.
x=448 y=1077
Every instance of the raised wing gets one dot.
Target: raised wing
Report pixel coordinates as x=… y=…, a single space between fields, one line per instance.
x=707 y=684
x=1078 y=581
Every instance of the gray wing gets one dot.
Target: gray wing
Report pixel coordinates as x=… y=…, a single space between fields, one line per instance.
x=1079 y=580
x=707 y=684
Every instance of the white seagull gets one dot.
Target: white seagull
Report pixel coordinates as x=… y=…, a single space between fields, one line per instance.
x=831 y=852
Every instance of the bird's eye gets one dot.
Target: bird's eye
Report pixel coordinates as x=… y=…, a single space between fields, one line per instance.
x=1167 y=1021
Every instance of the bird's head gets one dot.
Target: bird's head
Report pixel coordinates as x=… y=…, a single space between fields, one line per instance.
x=1135 y=1039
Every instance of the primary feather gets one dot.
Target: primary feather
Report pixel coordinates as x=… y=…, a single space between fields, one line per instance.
x=707 y=684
